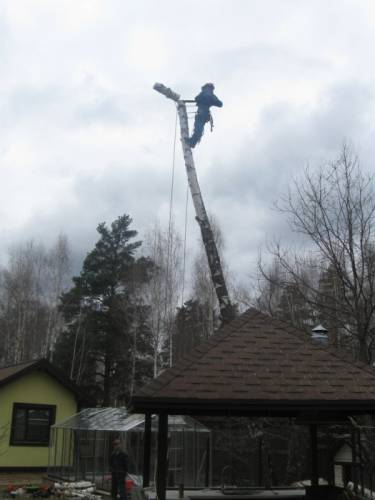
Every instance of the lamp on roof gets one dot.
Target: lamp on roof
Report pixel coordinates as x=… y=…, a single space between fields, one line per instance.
x=320 y=334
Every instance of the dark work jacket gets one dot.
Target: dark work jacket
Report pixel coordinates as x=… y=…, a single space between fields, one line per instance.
x=205 y=100
x=119 y=463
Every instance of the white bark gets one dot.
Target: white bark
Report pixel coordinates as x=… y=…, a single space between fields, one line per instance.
x=190 y=166
x=163 y=290
x=226 y=308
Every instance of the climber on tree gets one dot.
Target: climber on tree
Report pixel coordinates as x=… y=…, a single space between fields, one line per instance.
x=204 y=101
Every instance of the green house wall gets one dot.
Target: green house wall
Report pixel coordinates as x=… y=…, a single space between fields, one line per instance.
x=35 y=388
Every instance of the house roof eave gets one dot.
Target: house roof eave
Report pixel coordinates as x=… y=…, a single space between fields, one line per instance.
x=43 y=365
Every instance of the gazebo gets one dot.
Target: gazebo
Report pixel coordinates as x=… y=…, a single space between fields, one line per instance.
x=257 y=366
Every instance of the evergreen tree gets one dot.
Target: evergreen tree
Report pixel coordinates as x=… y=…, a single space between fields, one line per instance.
x=191 y=326
x=107 y=335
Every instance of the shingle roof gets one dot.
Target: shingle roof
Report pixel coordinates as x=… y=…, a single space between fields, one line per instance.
x=260 y=363
x=10 y=371
x=13 y=372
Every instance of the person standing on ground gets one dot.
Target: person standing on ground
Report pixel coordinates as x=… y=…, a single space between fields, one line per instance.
x=119 y=468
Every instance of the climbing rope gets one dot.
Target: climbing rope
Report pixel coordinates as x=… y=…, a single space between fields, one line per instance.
x=169 y=243
x=169 y=240
x=172 y=188
x=184 y=252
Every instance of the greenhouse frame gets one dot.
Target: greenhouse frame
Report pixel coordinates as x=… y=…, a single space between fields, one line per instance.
x=80 y=447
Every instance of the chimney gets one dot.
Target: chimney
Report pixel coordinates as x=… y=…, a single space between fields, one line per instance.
x=320 y=334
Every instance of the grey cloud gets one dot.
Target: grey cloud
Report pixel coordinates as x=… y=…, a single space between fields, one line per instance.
x=53 y=111
x=287 y=137
x=23 y=103
x=266 y=59
x=247 y=65
x=102 y=110
x=101 y=198
x=242 y=192
x=63 y=106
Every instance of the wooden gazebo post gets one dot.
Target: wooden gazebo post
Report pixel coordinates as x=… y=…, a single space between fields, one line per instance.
x=147 y=450
x=354 y=458
x=162 y=460
x=314 y=454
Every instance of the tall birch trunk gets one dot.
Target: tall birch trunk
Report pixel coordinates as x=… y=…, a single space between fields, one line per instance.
x=226 y=308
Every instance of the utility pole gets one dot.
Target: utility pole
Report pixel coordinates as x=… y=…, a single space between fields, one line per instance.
x=227 y=311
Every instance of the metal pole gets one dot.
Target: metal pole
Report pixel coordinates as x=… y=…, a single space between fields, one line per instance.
x=50 y=444
x=57 y=434
x=63 y=455
x=71 y=454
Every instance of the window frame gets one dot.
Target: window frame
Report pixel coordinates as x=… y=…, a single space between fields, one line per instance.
x=31 y=406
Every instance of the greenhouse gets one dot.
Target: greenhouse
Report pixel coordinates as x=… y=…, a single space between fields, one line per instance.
x=80 y=447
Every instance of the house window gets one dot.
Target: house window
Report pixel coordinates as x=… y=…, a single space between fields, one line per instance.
x=31 y=424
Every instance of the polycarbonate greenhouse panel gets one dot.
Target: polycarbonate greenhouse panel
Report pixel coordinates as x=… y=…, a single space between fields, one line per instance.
x=118 y=419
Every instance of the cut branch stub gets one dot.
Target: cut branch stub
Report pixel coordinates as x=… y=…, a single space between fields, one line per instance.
x=167 y=92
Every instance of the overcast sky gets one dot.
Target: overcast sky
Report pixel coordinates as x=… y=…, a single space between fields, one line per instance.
x=84 y=138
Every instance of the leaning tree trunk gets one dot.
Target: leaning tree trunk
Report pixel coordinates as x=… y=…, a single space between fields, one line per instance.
x=217 y=276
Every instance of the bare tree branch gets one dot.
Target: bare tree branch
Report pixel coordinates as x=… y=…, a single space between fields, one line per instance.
x=334 y=208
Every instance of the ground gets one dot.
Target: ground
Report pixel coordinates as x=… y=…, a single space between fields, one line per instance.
x=21 y=478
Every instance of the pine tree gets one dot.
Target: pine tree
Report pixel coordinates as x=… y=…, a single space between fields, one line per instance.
x=106 y=320
x=191 y=327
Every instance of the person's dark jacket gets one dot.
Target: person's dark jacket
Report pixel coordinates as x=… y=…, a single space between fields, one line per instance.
x=119 y=463
x=205 y=100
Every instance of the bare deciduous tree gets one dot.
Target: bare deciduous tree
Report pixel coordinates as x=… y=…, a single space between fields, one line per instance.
x=30 y=285
x=164 y=248
x=57 y=274
x=333 y=208
x=22 y=314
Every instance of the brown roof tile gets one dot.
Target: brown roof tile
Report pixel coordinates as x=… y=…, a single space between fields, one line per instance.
x=260 y=358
